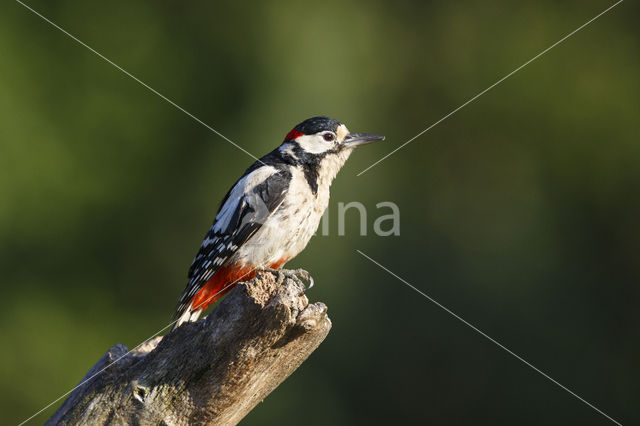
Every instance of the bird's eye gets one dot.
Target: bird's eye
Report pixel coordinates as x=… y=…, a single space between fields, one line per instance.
x=328 y=137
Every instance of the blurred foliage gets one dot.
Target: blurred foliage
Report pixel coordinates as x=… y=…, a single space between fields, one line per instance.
x=520 y=212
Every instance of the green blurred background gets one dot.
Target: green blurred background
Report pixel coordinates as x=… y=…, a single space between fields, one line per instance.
x=521 y=212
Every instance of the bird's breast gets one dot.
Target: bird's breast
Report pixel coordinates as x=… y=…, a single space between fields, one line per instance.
x=288 y=230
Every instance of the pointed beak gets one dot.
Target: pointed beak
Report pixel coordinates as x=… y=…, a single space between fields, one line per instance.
x=357 y=139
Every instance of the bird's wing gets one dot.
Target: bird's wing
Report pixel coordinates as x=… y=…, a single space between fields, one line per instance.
x=243 y=211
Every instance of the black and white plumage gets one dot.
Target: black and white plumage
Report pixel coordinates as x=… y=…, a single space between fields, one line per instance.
x=270 y=213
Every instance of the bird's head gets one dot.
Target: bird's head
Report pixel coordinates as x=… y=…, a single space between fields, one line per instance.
x=323 y=136
x=319 y=146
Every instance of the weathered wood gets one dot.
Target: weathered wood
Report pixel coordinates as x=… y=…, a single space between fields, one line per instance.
x=213 y=371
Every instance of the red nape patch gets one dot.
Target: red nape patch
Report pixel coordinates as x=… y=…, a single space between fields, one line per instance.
x=220 y=284
x=293 y=134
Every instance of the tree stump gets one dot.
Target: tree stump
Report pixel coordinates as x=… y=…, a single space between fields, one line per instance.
x=213 y=371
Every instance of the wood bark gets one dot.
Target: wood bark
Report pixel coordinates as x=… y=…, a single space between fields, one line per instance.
x=213 y=371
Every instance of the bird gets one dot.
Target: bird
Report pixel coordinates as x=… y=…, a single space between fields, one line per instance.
x=270 y=213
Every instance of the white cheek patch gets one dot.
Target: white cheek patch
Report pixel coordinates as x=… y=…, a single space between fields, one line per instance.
x=342 y=132
x=314 y=144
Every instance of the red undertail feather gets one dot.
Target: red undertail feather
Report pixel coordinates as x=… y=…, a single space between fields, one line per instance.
x=223 y=281
x=219 y=285
x=279 y=263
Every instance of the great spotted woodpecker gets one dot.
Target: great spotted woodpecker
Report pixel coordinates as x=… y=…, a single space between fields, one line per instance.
x=271 y=212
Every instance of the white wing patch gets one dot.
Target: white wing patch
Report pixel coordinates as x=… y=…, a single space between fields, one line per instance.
x=244 y=186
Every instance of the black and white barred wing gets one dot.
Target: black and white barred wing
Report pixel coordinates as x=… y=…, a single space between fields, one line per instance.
x=246 y=207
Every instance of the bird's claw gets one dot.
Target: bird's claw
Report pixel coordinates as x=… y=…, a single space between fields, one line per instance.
x=300 y=274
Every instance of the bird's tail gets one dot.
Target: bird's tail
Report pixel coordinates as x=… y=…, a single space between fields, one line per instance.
x=185 y=314
x=218 y=285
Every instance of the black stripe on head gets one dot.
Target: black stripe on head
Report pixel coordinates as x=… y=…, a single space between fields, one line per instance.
x=314 y=125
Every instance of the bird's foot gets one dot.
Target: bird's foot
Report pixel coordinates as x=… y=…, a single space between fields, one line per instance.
x=297 y=275
x=280 y=277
